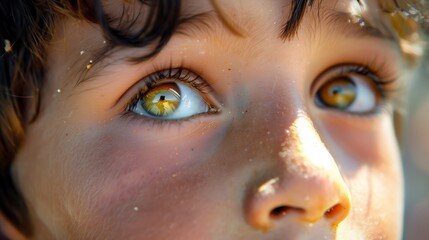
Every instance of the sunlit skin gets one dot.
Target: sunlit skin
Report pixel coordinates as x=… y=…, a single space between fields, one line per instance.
x=267 y=163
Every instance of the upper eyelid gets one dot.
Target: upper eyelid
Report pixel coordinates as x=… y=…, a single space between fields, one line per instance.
x=375 y=69
x=183 y=74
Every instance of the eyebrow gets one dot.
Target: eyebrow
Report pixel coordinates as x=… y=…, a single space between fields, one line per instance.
x=349 y=25
x=342 y=23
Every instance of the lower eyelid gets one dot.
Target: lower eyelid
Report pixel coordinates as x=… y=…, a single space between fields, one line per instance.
x=133 y=118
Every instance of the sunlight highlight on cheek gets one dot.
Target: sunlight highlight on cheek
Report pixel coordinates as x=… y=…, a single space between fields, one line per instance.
x=303 y=149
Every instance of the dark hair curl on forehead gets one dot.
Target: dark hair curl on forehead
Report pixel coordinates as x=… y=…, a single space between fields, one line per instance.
x=26 y=28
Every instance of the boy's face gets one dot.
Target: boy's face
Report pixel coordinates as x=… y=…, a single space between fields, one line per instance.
x=259 y=138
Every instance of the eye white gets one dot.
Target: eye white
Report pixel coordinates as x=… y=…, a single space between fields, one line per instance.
x=190 y=104
x=366 y=99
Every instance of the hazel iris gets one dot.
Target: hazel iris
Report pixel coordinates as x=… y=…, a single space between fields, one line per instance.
x=162 y=100
x=338 y=93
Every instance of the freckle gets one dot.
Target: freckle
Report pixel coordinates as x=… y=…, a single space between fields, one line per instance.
x=229 y=69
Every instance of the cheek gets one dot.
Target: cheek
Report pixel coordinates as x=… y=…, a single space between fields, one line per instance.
x=120 y=170
x=368 y=156
x=365 y=141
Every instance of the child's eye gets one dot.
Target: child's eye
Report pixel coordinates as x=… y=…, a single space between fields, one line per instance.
x=166 y=97
x=350 y=89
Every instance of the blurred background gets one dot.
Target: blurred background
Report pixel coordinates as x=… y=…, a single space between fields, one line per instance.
x=416 y=158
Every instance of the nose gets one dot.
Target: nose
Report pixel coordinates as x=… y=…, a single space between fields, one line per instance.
x=309 y=187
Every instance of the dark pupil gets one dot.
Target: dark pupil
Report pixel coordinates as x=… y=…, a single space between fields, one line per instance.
x=162 y=98
x=336 y=90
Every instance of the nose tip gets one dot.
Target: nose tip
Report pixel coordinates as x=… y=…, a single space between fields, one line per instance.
x=309 y=201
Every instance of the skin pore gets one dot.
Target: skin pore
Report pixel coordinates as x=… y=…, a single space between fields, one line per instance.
x=256 y=151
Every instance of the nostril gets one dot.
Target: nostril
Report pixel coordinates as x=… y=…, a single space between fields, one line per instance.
x=283 y=210
x=279 y=211
x=335 y=211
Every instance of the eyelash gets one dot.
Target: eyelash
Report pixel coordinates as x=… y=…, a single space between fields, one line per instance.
x=386 y=83
x=381 y=81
